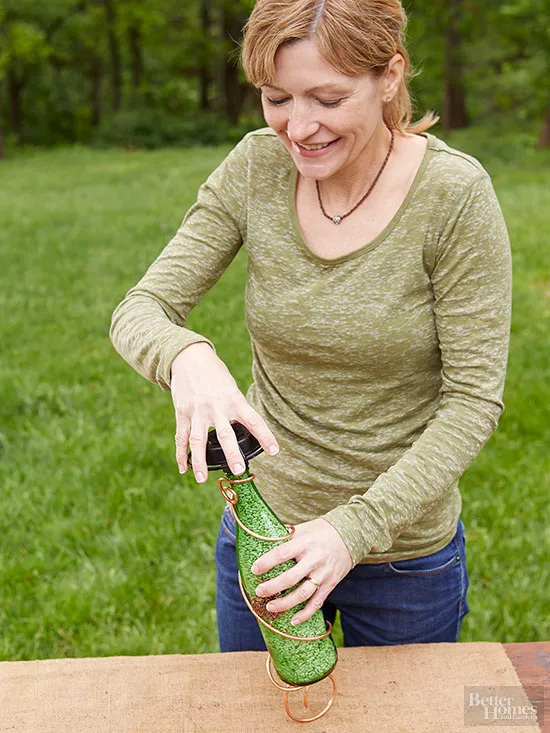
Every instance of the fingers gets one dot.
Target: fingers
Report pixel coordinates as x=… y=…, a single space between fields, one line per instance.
x=205 y=395
x=259 y=428
x=306 y=591
x=315 y=603
x=198 y=436
x=230 y=447
x=181 y=452
x=287 y=579
x=182 y=441
x=193 y=434
x=320 y=554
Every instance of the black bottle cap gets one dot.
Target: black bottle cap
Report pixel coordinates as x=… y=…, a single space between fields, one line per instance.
x=215 y=458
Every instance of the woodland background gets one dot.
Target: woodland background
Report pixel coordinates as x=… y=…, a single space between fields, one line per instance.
x=151 y=73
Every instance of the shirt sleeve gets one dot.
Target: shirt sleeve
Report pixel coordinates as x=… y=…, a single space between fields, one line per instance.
x=471 y=283
x=148 y=326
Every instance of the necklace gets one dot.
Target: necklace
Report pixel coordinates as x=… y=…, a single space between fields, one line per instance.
x=337 y=218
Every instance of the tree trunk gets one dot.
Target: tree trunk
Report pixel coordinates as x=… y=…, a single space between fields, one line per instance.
x=455 y=114
x=136 y=54
x=205 y=76
x=15 y=87
x=219 y=58
x=114 y=54
x=544 y=137
x=96 y=76
x=234 y=89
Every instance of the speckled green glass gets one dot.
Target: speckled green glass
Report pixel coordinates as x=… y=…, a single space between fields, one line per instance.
x=296 y=662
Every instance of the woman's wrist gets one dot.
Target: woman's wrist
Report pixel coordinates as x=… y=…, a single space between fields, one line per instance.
x=195 y=350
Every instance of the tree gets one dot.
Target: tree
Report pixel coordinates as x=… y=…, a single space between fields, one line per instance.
x=114 y=53
x=68 y=67
x=527 y=24
x=232 y=19
x=3 y=64
x=438 y=30
x=28 y=31
x=205 y=71
x=455 y=114
x=24 y=46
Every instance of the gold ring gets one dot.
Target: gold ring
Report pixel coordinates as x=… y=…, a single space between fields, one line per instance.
x=313 y=581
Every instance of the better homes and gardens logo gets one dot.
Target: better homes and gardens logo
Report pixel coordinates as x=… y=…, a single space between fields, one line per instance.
x=503 y=706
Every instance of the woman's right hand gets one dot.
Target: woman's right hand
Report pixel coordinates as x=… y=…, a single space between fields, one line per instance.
x=206 y=395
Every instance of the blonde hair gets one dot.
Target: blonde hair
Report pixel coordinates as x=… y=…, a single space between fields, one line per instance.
x=355 y=36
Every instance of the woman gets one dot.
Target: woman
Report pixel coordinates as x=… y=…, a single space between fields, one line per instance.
x=378 y=305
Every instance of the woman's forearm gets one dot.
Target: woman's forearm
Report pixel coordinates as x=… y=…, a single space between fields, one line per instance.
x=146 y=334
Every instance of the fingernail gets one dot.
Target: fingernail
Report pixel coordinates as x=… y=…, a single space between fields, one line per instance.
x=200 y=477
x=273 y=450
x=238 y=468
x=259 y=591
x=182 y=469
x=295 y=622
x=254 y=569
x=270 y=606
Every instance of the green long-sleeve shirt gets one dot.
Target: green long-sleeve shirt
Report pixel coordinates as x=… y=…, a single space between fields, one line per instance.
x=380 y=372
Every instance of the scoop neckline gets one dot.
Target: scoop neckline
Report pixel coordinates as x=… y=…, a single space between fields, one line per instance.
x=293 y=179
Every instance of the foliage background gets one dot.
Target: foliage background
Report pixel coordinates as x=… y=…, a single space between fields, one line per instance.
x=149 y=73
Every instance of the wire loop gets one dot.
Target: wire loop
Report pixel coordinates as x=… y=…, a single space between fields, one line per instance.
x=305 y=688
x=231 y=496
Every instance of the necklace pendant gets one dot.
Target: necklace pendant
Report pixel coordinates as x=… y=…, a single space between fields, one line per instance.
x=336 y=219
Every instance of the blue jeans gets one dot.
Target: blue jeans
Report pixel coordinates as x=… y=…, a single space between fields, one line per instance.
x=404 y=602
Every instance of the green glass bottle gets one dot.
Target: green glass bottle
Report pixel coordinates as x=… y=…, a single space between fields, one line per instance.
x=296 y=660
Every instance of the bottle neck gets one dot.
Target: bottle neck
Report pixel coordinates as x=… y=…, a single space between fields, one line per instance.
x=249 y=499
x=243 y=484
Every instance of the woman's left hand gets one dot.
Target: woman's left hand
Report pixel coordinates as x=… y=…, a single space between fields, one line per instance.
x=319 y=551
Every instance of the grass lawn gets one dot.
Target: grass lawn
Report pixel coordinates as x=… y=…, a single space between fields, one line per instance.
x=104 y=548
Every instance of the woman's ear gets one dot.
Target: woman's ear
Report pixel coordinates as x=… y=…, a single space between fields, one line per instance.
x=393 y=76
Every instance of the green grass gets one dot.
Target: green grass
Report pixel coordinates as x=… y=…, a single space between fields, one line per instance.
x=104 y=548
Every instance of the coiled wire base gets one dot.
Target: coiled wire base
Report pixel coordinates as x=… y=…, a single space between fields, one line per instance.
x=232 y=498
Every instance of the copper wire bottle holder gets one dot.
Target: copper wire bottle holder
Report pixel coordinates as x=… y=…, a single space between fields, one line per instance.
x=231 y=497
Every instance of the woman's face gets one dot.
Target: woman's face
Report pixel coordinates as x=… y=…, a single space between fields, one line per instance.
x=323 y=118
